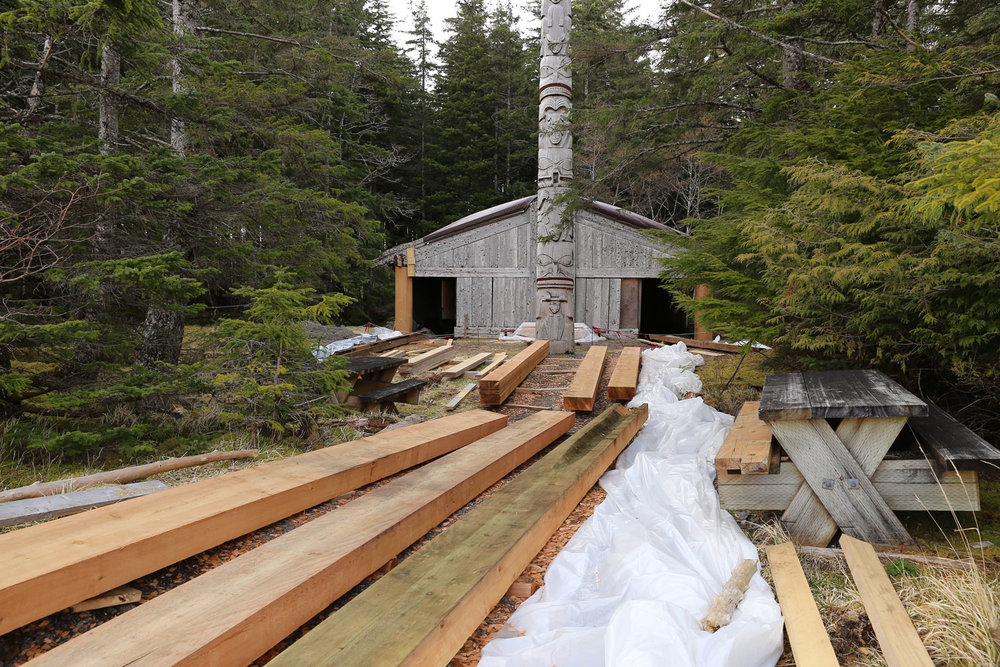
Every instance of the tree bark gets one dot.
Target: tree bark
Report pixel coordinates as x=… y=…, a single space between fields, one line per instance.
x=162 y=334
x=38 y=85
x=793 y=60
x=185 y=23
x=878 y=18
x=107 y=129
x=912 y=20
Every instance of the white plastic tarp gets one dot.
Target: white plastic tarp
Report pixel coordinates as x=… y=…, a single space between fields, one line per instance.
x=582 y=333
x=632 y=585
x=374 y=334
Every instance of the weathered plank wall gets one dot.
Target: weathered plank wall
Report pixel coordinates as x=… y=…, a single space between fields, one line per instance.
x=605 y=248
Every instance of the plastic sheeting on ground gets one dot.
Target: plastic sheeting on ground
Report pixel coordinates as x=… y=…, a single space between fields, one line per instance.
x=374 y=335
x=582 y=333
x=632 y=585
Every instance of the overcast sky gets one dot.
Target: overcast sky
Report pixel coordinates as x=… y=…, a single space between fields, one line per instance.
x=439 y=10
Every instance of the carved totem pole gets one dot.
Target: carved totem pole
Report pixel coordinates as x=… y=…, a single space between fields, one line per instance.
x=554 y=266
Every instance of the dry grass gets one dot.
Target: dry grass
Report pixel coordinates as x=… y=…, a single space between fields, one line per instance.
x=728 y=381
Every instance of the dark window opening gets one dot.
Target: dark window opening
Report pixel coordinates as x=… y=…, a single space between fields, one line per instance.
x=434 y=304
x=658 y=313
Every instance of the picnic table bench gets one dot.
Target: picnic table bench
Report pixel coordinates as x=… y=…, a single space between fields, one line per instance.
x=836 y=428
x=372 y=387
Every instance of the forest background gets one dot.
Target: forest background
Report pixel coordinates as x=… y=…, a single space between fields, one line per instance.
x=230 y=168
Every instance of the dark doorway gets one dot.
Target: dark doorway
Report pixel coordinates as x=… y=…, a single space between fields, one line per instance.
x=658 y=313
x=434 y=304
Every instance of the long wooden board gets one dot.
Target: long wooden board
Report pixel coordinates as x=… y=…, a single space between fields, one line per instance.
x=234 y=613
x=625 y=377
x=806 y=632
x=909 y=485
x=498 y=385
x=460 y=396
x=900 y=643
x=704 y=344
x=422 y=611
x=951 y=443
x=51 y=566
x=498 y=359
x=38 y=509
x=461 y=367
x=582 y=391
x=428 y=360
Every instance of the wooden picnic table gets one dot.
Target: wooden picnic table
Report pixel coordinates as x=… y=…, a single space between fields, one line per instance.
x=837 y=463
x=369 y=373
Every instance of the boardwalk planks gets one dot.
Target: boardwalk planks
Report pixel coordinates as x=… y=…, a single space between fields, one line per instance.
x=901 y=645
x=421 y=612
x=806 y=633
x=498 y=385
x=625 y=377
x=51 y=566
x=234 y=613
x=582 y=391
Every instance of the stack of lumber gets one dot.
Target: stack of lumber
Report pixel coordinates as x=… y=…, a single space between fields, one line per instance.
x=625 y=377
x=234 y=613
x=422 y=611
x=501 y=383
x=582 y=391
x=379 y=346
x=497 y=359
x=748 y=447
x=901 y=645
x=465 y=365
x=427 y=360
x=54 y=565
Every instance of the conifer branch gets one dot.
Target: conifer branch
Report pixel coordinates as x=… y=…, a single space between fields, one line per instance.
x=759 y=35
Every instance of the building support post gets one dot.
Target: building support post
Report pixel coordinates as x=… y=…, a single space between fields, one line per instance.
x=700 y=332
x=404 y=300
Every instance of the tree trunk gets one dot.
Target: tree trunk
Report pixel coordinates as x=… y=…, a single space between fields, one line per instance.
x=878 y=18
x=111 y=75
x=162 y=334
x=38 y=85
x=912 y=20
x=792 y=60
x=185 y=21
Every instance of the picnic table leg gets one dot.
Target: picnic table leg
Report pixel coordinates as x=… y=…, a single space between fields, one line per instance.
x=868 y=440
x=821 y=456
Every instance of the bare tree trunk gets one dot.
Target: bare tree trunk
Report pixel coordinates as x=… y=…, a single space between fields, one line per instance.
x=793 y=60
x=912 y=19
x=162 y=335
x=111 y=75
x=185 y=22
x=878 y=18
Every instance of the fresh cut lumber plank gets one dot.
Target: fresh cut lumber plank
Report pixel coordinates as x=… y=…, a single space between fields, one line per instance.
x=498 y=359
x=806 y=633
x=428 y=360
x=37 y=490
x=53 y=565
x=422 y=611
x=900 y=643
x=460 y=396
x=747 y=447
x=379 y=346
x=625 y=377
x=582 y=391
x=498 y=385
x=467 y=365
x=49 y=507
x=236 y=612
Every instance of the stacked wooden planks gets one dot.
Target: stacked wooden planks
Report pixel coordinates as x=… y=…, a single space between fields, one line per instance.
x=905 y=484
x=582 y=391
x=465 y=365
x=498 y=385
x=421 y=612
x=625 y=377
x=806 y=633
x=747 y=448
x=51 y=566
x=234 y=613
x=497 y=359
x=427 y=360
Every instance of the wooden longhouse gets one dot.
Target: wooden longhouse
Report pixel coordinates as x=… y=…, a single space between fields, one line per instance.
x=476 y=276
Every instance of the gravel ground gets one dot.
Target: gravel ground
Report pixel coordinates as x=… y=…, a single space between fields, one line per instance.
x=21 y=645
